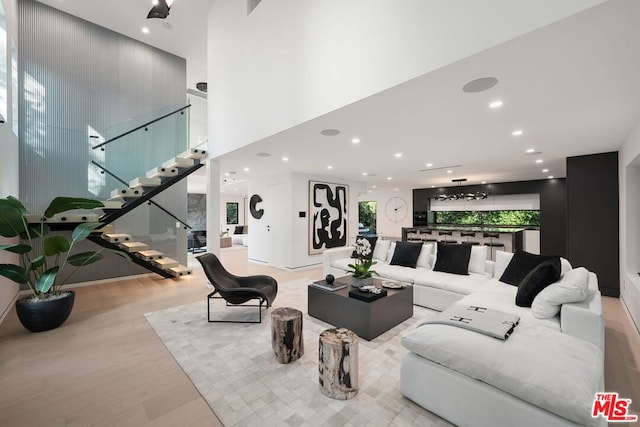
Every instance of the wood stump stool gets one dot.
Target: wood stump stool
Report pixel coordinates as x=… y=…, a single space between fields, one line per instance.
x=338 y=363
x=286 y=334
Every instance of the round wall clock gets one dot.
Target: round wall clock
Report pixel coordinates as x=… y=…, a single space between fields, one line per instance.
x=396 y=209
x=253 y=201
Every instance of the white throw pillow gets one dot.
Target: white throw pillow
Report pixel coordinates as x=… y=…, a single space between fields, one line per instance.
x=502 y=261
x=478 y=259
x=381 y=249
x=565 y=266
x=392 y=249
x=572 y=287
x=424 y=260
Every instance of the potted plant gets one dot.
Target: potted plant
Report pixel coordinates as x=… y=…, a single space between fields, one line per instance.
x=362 y=273
x=44 y=259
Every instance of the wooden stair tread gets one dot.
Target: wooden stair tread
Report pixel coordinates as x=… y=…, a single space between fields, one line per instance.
x=143 y=181
x=162 y=172
x=117 y=237
x=134 y=246
x=180 y=270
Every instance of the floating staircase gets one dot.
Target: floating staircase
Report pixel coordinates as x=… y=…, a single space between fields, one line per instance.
x=124 y=200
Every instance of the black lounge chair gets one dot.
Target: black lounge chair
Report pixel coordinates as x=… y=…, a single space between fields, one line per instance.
x=237 y=290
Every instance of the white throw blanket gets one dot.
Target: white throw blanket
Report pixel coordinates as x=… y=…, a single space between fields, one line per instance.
x=494 y=323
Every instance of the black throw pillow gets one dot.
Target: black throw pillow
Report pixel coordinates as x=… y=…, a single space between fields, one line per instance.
x=372 y=241
x=453 y=258
x=406 y=254
x=521 y=264
x=546 y=273
x=238 y=229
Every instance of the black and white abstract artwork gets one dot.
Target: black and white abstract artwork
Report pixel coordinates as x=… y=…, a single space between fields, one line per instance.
x=328 y=209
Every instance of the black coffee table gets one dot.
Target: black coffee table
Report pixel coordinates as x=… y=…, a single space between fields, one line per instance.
x=366 y=319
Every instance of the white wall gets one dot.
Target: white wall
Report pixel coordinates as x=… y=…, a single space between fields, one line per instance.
x=385 y=227
x=8 y=161
x=293 y=241
x=293 y=60
x=629 y=169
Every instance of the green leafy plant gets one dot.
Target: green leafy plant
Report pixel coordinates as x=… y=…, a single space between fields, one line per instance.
x=43 y=269
x=362 y=266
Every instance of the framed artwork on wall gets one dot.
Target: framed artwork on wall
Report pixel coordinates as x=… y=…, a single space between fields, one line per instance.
x=328 y=216
x=232 y=213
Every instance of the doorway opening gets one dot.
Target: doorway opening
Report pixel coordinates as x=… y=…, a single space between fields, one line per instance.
x=367 y=217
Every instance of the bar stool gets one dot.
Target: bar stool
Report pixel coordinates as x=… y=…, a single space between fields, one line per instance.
x=445 y=234
x=427 y=239
x=492 y=245
x=468 y=234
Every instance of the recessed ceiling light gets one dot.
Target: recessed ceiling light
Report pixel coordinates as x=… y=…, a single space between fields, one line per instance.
x=355 y=140
x=145 y=30
x=364 y=174
x=484 y=182
x=539 y=161
x=329 y=167
x=226 y=174
x=285 y=159
x=545 y=170
x=550 y=177
x=496 y=104
x=449 y=171
x=531 y=150
x=398 y=155
x=480 y=85
x=429 y=165
x=330 y=132
x=395 y=189
x=389 y=178
x=246 y=169
x=433 y=186
x=517 y=132
x=373 y=186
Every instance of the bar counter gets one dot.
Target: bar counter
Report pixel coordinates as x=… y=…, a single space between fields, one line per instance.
x=511 y=237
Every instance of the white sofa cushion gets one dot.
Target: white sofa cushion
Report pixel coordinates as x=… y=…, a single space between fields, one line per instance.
x=457 y=283
x=392 y=249
x=572 y=287
x=478 y=258
x=527 y=365
x=424 y=260
x=396 y=272
x=381 y=249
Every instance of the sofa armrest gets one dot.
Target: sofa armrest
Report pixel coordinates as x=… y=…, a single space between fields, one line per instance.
x=330 y=255
x=585 y=319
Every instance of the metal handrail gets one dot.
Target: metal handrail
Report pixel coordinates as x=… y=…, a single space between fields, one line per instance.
x=109 y=141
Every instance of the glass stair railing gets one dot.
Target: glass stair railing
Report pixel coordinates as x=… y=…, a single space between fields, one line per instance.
x=135 y=172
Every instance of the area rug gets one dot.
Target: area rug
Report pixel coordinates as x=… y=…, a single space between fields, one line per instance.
x=234 y=368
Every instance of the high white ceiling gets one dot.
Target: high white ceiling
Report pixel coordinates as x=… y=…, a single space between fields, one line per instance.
x=572 y=87
x=186 y=36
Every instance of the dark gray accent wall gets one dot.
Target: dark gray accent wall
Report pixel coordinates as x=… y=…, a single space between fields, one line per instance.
x=593 y=217
x=77 y=79
x=553 y=217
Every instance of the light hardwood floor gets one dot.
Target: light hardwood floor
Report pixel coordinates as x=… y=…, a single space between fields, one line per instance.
x=107 y=367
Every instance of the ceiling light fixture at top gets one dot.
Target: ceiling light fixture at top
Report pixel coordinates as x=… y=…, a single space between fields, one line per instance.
x=478 y=195
x=496 y=104
x=355 y=141
x=517 y=132
x=160 y=9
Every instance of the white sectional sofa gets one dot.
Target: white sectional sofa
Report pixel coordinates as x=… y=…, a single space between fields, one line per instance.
x=545 y=374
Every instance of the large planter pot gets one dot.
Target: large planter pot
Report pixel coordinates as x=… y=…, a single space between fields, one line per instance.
x=43 y=315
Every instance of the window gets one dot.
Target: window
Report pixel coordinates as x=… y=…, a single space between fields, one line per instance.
x=232 y=213
x=504 y=217
x=367 y=218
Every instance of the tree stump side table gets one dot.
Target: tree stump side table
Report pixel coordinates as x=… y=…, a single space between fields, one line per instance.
x=286 y=334
x=338 y=363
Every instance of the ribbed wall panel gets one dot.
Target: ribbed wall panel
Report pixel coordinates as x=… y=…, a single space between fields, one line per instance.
x=75 y=75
